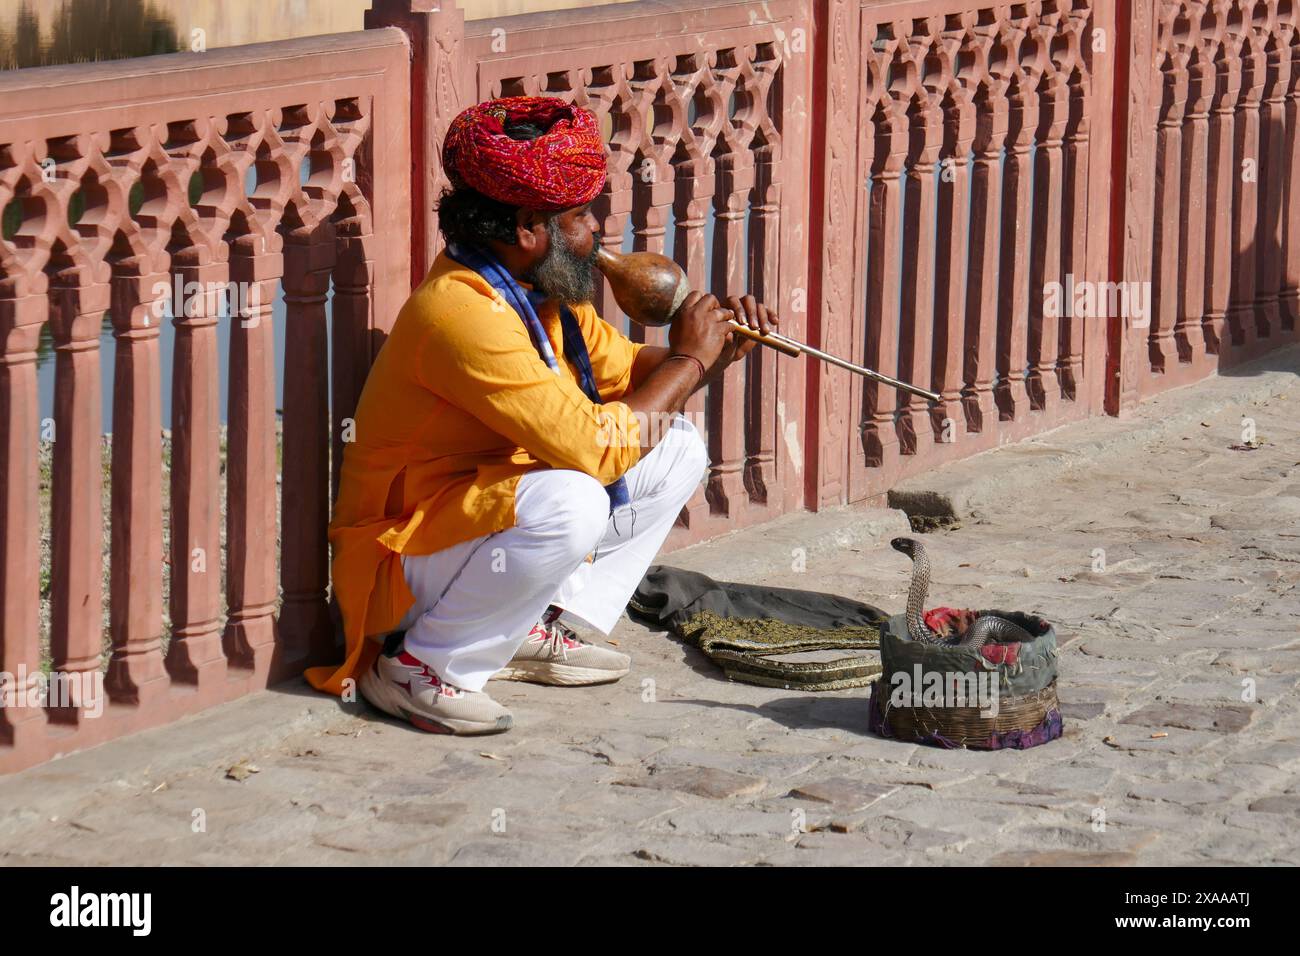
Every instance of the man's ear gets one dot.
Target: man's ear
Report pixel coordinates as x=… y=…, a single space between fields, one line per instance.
x=529 y=229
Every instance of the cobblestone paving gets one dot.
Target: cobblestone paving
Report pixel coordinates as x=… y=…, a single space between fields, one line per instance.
x=1192 y=630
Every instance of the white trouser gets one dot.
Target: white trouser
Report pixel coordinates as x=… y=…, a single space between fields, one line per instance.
x=476 y=601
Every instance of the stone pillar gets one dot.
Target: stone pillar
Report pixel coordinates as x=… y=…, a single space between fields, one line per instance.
x=442 y=84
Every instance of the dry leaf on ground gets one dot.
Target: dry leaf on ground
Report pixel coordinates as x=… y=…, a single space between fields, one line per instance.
x=242 y=771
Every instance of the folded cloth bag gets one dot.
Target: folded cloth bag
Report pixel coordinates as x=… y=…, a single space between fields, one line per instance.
x=741 y=627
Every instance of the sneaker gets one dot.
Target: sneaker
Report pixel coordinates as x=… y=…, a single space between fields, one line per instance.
x=404 y=687
x=553 y=654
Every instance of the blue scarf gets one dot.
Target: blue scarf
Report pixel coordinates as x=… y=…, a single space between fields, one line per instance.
x=525 y=302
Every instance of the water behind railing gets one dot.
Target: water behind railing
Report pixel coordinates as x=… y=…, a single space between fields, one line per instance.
x=167 y=337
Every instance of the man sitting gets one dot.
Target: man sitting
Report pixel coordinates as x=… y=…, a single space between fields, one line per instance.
x=501 y=481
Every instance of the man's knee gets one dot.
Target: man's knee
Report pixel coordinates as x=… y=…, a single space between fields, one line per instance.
x=688 y=453
x=695 y=454
x=585 y=514
x=568 y=505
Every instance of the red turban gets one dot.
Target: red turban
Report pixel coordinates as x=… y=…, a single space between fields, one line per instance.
x=563 y=167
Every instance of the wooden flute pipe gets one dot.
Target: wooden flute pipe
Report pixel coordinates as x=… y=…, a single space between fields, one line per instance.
x=650 y=288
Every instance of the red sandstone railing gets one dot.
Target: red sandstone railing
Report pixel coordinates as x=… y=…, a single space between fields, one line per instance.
x=955 y=187
x=275 y=163
x=1211 y=209
x=903 y=180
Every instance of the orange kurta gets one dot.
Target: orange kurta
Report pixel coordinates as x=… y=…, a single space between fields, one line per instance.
x=457 y=407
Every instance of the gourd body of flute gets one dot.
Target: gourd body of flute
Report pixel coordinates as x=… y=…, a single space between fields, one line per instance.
x=651 y=288
x=648 y=287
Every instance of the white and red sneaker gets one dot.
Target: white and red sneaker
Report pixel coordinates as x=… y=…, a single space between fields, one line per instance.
x=554 y=654
x=404 y=687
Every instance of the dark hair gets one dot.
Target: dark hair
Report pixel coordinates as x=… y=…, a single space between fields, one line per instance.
x=469 y=218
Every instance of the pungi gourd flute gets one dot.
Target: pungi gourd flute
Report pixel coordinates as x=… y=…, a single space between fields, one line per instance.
x=650 y=288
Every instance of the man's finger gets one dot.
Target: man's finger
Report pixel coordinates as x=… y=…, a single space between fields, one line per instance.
x=737 y=309
x=746 y=309
x=744 y=348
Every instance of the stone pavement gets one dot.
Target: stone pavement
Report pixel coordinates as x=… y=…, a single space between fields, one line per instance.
x=1169 y=561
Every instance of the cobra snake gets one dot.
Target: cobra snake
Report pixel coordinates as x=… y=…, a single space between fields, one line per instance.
x=987 y=627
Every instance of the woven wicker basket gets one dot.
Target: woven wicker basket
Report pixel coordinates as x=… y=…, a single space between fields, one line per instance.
x=1024 y=713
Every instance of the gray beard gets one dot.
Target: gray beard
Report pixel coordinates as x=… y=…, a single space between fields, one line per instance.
x=562 y=274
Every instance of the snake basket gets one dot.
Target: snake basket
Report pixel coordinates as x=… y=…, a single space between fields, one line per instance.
x=989 y=698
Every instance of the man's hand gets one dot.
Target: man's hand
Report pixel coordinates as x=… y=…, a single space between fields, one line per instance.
x=703 y=325
x=701 y=329
x=749 y=310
